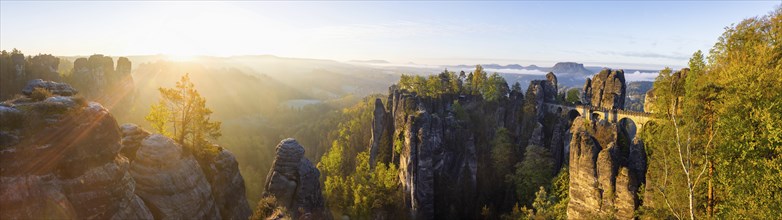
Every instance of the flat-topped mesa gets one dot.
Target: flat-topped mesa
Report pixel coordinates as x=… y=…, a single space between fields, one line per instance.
x=606 y=90
x=295 y=182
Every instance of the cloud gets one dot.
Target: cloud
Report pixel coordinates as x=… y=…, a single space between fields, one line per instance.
x=640 y=76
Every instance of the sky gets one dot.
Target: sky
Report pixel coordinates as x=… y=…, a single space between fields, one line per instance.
x=624 y=34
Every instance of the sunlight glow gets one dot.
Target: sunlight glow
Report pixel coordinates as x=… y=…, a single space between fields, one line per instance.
x=181 y=57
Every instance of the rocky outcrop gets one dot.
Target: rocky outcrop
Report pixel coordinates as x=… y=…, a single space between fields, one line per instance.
x=606 y=90
x=53 y=87
x=228 y=186
x=98 y=78
x=606 y=172
x=132 y=135
x=171 y=182
x=380 y=135
x=63 y=158
x=295 y=182
x=64 y=163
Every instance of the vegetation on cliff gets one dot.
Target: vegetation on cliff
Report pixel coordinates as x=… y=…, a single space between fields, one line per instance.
x=715 y=150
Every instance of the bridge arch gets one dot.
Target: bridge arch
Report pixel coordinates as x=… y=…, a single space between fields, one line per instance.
x=630 y=126
x=573 y=114
x=596 y=116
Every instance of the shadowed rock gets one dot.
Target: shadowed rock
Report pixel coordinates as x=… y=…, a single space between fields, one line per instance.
x=56 y=88
x=294 y=181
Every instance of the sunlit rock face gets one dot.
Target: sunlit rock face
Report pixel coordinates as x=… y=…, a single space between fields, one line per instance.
x=66 y=158
x=606 y=90
x=171 y=182
x=59 y=160
x=605 y=172
x=294 y=181
x=221 y=173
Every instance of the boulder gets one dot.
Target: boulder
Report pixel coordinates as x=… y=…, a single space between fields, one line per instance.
x=132 y=135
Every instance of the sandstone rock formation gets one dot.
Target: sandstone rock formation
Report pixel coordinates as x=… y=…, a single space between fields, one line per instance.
x=606 y=90
x=97 y=75
x=64 y=163
x=605 y=172
x=53 y=87
x=62 y=158
x=171 y=182
x=295 y=182
x=228 y=186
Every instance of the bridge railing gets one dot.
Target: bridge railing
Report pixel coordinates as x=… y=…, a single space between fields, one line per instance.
x=616 y=111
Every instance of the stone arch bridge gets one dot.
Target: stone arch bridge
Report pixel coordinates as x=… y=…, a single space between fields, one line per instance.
x=595 y=114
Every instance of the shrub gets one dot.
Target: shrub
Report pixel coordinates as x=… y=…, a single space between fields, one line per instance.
x=268 y=207
x=40 y=94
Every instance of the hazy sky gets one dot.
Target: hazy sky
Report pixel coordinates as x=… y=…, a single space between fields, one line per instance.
x=620 y=34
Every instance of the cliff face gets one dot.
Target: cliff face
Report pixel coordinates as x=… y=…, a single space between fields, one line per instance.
x=606 y=90
x=606 y=171
x=442 y=145
x=295 y=182
x=65 y=158
x=443 y=148
x=98 y=79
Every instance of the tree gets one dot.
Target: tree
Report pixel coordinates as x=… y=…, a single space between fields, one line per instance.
x=534 y=171
x=183 y=111
x=478 y=79
x=516 y=87
x=573 y=96
x=495 y=88
x=502 y=155
x=745 y=64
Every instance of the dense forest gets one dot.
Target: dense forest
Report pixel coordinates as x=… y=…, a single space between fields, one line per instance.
x=446 y=145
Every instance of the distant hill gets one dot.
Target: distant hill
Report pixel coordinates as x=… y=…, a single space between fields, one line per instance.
x=570 y=68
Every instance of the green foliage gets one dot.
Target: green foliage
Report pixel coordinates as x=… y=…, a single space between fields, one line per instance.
x=516 y=87
x=365 y=191
x=40 y=94
x=502 y=153
x=727 y=111
x=185 y=111
x=495 y=88
x=492 y=88
x=350 y=186
x=746 y=64
x=459 y=111
x=534 y=171
x=268 y=208
x=573 y=96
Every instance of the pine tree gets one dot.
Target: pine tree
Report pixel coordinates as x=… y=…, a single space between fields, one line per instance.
x=182 y=115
